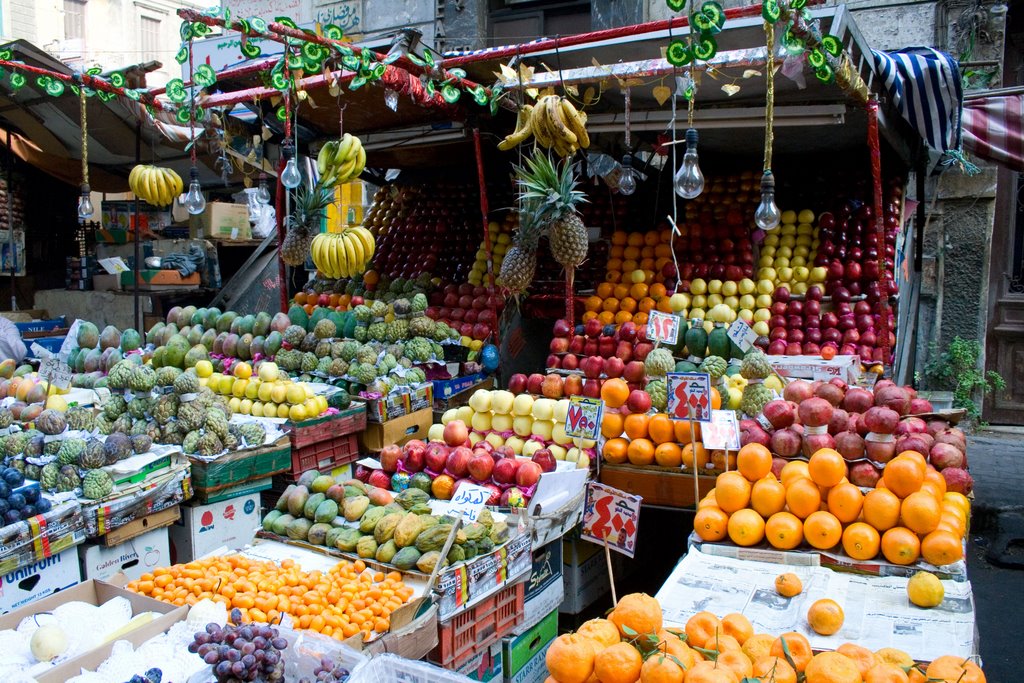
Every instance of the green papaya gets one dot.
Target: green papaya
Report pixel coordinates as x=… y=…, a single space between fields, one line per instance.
x=386 y=552
x=366 y=547
x=326 y=511
x=433 y=538
x=428 y=561
x=355 y=507
x=407 y=529
x=282 y=502
x=280 y=525
x=421 y=509
x=686 y=366
x=309 y=509
x=406 y=558
x=268 y=521
x=718 y=341
x=298 y=530
x=456 y=554
x=297 y=501
x=474 y=531
x=370 y=518
x=331 y=540
x=411 y=497
x=318 y=533
x=470 y=549
x=384 y=530
x=346 y=541
x=696 y=339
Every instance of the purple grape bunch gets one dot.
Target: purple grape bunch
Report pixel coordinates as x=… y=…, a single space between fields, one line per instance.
x=241 y=652
x=328 y=672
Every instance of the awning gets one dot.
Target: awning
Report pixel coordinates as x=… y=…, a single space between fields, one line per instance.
x=993 y=129
x=60 y=167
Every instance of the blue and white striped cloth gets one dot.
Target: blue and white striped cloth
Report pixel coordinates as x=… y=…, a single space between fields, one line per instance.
x=924 y=85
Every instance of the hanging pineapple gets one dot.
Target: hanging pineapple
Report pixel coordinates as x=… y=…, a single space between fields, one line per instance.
x=553 y=186
x=520 y=260
x=304 y=223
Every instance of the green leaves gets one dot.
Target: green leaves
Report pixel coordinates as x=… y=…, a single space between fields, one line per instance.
x=678 y=53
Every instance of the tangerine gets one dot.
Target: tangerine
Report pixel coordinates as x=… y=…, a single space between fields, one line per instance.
x=941 y=547
x=602 y=631
x=885 y=673
x=892 y=655
x=614 y=392
x=773 y=670
x=737 y=626
x=738 y=662
x=732 y=491
x=701 y=627
x=950 y=669
x=788 y=585
x=881 y=509
x=901 y=546
x=863 y=657
x=618 y=663
x=799 y=649
x=784 y=530
x=640 y=451
x=711 y=524
x=822 y=530
x=661 y=669
x=920 y=512
x=861 y=541
x=722 y=643
x=638 y=612
x=768 y=496
x=826 y=467
x=635 y=426
x=832 y=667
x=615 y=451
x=757 y=646
x=746 y=527
x=661 y=429
x=668 y=455
x=754 y=461
x=903 y=475
x=825 y=617
x=570 y=658
x=845 y=501
x=803 y=497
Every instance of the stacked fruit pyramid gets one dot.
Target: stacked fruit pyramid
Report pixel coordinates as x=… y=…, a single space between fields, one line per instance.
x=907 y=517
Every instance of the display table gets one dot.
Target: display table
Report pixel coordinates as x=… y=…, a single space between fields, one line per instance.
x=664 y=486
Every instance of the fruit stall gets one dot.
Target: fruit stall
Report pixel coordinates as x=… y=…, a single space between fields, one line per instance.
x=501 y=291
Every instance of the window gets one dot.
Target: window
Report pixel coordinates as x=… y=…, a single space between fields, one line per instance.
x=74 y=19
x=150 y=37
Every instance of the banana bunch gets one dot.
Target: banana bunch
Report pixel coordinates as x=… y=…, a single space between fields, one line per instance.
x=554 y=123
x=343 y=254
x=157 y=186
x=340 y=161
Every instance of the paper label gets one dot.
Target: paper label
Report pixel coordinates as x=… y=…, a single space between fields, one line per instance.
x=370 y=463
x=468 y=502
x=55 y=371
x=722 y=432
x=114 y=266
x=825 y=372
x=663 y=327
x=583 y=419
x=689 y=396
x=234 y=233
x=742 y=334
x=611 y=515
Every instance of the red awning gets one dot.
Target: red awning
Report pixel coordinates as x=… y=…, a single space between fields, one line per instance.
x=993 y=129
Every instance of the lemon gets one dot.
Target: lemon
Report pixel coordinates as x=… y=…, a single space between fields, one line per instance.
x=283 y=410
x=225 y=384
x=925 y=590
x=204 y=368
x=235 y=404
x=239 y=387
x=295 y=394
x=265 y=391
x=296 y=413
x=245 y=406
x=204 y=381
x=715 y=287
x=279 y=392
x=764 y=285
x=252 y=389
x=243 y=371
x=637 y=277
x=761 y=328
x=698 y=286
x=256 y=409
x=818 y=274
x=268 y=371
x=476 y=345
x=730 y=288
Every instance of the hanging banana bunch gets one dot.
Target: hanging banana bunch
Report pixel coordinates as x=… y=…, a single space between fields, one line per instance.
x=340 y=161
x=157 y=186
x=554 y=123
x=343 y=254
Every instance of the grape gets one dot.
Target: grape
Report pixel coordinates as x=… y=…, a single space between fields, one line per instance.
x=230 y=637
x=260 y=642
x=223 y=650
x=238 y=668
x=204 y=648
x=222 y=670
x=211 y=658
x=248 y=648
x=234 y=655
x=213 y=629
x=271 y=658
x=246 y=633
x=193 y=648
x=279 y=643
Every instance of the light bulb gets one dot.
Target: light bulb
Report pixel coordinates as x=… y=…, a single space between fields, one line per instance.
x=290 y=176
x=627 y=179
x=689 y=181
x=85 y=208
x=767 y=215
x=194 y=200
x=263 y=194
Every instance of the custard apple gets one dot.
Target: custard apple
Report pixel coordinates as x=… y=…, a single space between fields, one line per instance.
x=70 y=450
x=309 y=362
x=362 y=313
x=755 y=397
x=253 y=433
x=309 y=343
x=659 y=362
x=379 y=309
x=6 y=418
x=755 y=366
x=325 y=329
x=166 y=408
x=170 y=434
x=419 y=302
x=366 y=354
x=139 y=427
x=31 y=471
x=52 y=447
x=191 y=441
x=360 y=333
x=67 y=479
x=141 y=443
x=97 y=484
x=79 y=418
x=336 y=349
x=186 y=383
x=293 y=335
x=231 y=442
x=48 y=476
x=323 y=349
x=120 y=374
x=34 y=446
x=191 y=415
x=166 y=375
x=51 y=422
x=114 y=407
x=142 y=379
x=216 y=423
x=338 y=368
x=323 y=366
x=714 y=366
x=364 y=373
x=15 y=444
x=209 y=444
x=377 y=331
x=421 y=327
x=117 y=447
x=104 y=424
x=92 y=455
x=123 y=424
x=402 y=306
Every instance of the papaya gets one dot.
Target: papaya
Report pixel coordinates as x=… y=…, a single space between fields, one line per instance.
x=470 y=549
x=433 y=538
x=369 y=519
x=406 y=558
x=386 y=551
x=407 y=529
x=379 y=496
x=366 y=547
x=346 y=541
x=411 y=497
x=352 y=491
x=475 y=531
x=268 y=521
x=718 y=341
x=486 y=518
x=428 y=521
x=356 y=484
x=318 y=533
x=321 y=484
x=428 y=561
x=384 y=530
x=686 y=366
x=336 y=493
x=297 y=500
x=499 y=533
x=355 y=506
x=421 y=509
x=696 y=339
x=309 y=509
x=306 y=478
x=456 y=554
x=326 y=511
x=298 y=529
x=485 y=545
x=331 y=540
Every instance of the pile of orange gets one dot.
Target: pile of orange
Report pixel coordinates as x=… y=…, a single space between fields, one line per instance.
x=642 y=439
x=907 y=517
x=345 y=601
x=633 y=646
x=634 y=285
x=309 y=301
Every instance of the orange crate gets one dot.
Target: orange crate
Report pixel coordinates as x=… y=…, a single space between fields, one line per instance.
x=509 y=609
x=325 y=455
x=468 y=633
x=348 y=421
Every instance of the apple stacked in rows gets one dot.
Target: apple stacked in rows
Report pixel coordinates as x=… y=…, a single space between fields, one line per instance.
x=868 y=428
x=599 y=352
x=472 y=310
x=715 y=239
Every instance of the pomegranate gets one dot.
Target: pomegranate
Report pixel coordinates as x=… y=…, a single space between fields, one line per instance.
x=911 y=425
x=798 y=391
x=752 y=432
x=952 y=436
x=850 y=445
x=777 y=465
x=893 y=397
x=785 y=443
x=815 y=412
x=958 y=480
x=921 y=443
x=858 y=400
x=839 y=422
x=880 y=451
x=936 y=426
x=944 y=455
x=864 y=474
x=920 y=406
x=813 y=443
x=830 y=393
x=779 y=413
x=881 y=420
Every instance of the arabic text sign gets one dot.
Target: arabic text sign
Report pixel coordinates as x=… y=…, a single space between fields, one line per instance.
x=55 y=371
x=722 y=432
x=689 y=396
x=583 y=420
x=663 y=327
x=611 y=515
x=468 y=502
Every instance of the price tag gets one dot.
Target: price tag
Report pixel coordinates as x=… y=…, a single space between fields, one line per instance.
x=663 y=327
x=689 y=396
x=825 y=372
x=56 y=372
x=722 y=432
x=612 y=516
x=468 y=502
x=583 y=419
x=742 y=334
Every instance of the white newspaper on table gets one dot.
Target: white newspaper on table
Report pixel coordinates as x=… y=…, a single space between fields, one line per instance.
x=878 y=613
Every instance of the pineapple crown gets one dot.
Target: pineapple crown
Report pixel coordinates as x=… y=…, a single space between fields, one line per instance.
x=310 y=205
x=549 y=186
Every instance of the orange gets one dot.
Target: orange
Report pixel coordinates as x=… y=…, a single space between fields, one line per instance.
x=702 y=456
x=619 y=237
x=737 y=626
x=711 y=524
x=773 y=670
x=661 y=429
x=628 y=304
x=936 y=478
x=881 y=509
x=708 y=500
x=619 y=663
x=754 y=461
x=788 y=585
x=647 y=304
x=941 y=547
x=915 y=674
x=612 y=424
x=668 y=455
x=623 y=317
x=635 y=426
x=683 y=431
x=861 y=541
x=738 y=662
x=732 y=491
x=825 y=617
x=768 y=496
x=885 y=673
x=605 y=289
x=892 y=655
x=570 y=658
x=826 y=467
x=722 y=643
x=903 y=476
x=793 y=470
x=746 y=527
x=661 y=669
x=723 y=460
x=799 y=649
x=709 y=672
x=672 y=644
x=863 y=657
x=716 y=399
x=950 y=669
x=615 y=451
x=828 y=352
x=932 y=489
x=757 y=646
x=822 y=530
x=701 y=627
x=959 y=500
x=620 y=292
x=602 y=631
x=845 y=502
x=636 y=612
x=589 y=315
x=920 y=512
x=901 y=545
x=638 y=291
x=784 y=530
x=640 y=451
x=657 y=290
x=592 y=303
x=614 y=392
x=832 y=667
x=606 y=317
x=803 y=497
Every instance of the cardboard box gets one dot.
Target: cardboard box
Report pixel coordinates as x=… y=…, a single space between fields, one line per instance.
x=204 y=528
x=523 y=656
x=485 y=666
x=397 y=431
x=159 y=279
x=143 y=525
x=585 y=574
x=224 y=221
x=29 y=584
x=390 y=407
x=446 y=388
x=120 y=215
x=460 y=398
x=134 y=557
x=243 y=489
x=106 y=283
x=545 y=588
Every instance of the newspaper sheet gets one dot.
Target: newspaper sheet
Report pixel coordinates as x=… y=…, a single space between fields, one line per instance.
x=878 y=613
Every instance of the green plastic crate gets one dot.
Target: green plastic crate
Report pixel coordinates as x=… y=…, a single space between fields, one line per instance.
x=236 y=468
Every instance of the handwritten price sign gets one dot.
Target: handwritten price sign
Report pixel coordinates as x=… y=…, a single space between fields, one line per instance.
x=689 y=396
x=468 y=502
x=663 y=327
x=583 y=420
x=56 y=372
x=611 y=515
x=741 y=334
x=722 y=432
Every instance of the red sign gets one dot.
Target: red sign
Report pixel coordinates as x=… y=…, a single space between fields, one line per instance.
x=689 y=396
x=663 y=327
x=612 y=516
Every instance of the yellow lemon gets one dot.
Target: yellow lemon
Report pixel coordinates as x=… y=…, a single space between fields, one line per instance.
x=296 y=413
x=284 y=410
x=239 y=387
x=279 y=392
x=245 y=406
x=235 y=404
x=925 y=590
x=225 y=384
x=265 y=392
x=242 y=370
x=256 y=409
x=204 y=368
x=269 y=371
x=252 y=389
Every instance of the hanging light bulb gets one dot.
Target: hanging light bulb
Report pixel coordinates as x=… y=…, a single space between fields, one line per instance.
x=290 y=176
x=85 y=209
x=194 y=200
x=263 y=193
x=627 y=179
x=689 y=180
x=767 y=215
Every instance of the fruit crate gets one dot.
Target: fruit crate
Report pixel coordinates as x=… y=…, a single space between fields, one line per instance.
x=328 y=427
x=238 y=467
x=466 y=634
x=325 y=455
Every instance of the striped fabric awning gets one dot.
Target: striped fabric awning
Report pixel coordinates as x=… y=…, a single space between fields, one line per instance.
x=993 y=129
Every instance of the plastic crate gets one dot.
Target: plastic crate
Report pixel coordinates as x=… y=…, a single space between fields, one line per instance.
x=471 y=631
x=325 y=455
x=329 y=427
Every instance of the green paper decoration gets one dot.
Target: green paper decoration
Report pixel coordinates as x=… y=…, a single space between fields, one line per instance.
x=281 y=114
x=825 y=74
x=182 y=55
x=18 y=81
x=831 y=45
x=204 y=76
x=333 y=32
x=770 y=11
x=705 y=48
x=709 y=18
x=450 y=94
x=175 y=90
x=676 y=5
x=251 y=49
x=678 y=53
x=258 y=24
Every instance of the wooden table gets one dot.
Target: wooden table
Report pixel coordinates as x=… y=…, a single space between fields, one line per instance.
x=664 y=486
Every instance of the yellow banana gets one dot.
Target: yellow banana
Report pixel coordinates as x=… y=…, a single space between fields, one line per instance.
x=337 y=256
x=331 y=255
x=344 y=170
x=317 y=255
x=344 y=263
x=359 y=252
x=538 y=124
x=172 y=183
x=561 y=130
x=361 y=163
x=326 y=156
x=350 y=255
x=524 y=128
x=364 y=236
x=149 y=187
x=575 y=122
x=344 y=150
x=133 y=178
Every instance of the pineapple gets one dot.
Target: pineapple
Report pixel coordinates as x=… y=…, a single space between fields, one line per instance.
x=304 y=223
x=520 y=260
x=553 y=186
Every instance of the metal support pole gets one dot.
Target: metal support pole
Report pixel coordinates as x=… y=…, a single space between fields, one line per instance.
x=10 y=221
x=919 y=218
x=135 y=238
x=279 y=208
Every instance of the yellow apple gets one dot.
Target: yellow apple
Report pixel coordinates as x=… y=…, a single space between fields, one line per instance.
x=763 y=314
x=761 y=327
x=699 y=301
x=747 y=302
x=747 y=286
x=801 y=273
x=806 y=216
x=765 y=286
x=763 y=301
x=818 y=274
x=746 y=314
x=789 y=216
x=715 y=287
x=729 y=288
x=698 y=286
